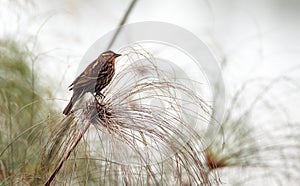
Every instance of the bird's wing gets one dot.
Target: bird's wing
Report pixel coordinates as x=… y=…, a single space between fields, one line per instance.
x=88 y=76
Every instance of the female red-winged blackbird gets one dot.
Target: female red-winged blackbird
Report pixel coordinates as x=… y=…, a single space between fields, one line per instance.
x=94 y=78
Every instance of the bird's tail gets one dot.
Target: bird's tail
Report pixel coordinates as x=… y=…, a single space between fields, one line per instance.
x=69 y=107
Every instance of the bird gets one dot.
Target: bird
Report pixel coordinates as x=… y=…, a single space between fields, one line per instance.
x=93 y=79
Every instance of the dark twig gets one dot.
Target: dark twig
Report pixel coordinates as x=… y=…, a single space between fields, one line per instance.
x=122 y=22
x=67 y=154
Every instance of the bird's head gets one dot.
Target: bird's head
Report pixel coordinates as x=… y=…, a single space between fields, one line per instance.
x=109 y=56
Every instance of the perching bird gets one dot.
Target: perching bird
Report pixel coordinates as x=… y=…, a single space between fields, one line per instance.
x=94 y=78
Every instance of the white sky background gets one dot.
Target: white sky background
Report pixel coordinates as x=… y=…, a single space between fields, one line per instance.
x=262 y=36
x=254 y=39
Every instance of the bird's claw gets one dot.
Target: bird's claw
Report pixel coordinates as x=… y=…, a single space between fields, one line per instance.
x=99 y=96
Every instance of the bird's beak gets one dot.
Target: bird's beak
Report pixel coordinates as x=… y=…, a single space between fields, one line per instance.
x=113 y=58
x=117 y=55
